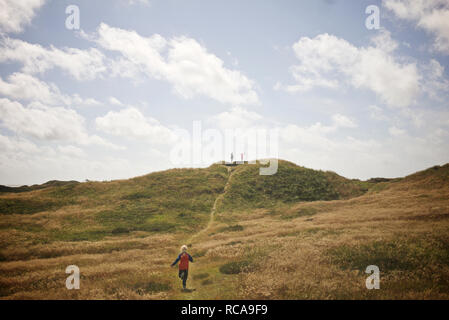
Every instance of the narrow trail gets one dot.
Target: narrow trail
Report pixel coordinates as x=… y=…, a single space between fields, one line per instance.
x=192 y=282
x=214 y=208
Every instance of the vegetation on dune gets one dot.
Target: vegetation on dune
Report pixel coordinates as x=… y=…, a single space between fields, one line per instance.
x=177 y=199
x=436 y=176
x=19 y=205
x=290 y=184
x=274 y=237
x=48 y=184
x=235 y=267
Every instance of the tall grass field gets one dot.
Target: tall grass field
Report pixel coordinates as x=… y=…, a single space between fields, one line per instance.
x=299 y=234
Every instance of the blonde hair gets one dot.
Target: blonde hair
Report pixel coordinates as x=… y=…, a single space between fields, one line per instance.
x=183 y=248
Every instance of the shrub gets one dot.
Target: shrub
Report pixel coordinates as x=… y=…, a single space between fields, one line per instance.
x=28 y=206
x=119 y=230
x=235 y=267
x=233 y=228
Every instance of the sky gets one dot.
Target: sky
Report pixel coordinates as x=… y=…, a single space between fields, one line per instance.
x=128 y=89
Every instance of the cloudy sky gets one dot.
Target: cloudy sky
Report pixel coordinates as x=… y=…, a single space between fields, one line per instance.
x=108 y=100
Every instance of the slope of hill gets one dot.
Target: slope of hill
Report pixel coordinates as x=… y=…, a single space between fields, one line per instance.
x=177 y=199
x=291 y=183
x=52 y=183
x=298 y=234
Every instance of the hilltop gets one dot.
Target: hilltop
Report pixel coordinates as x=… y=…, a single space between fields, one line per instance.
x=310 y=233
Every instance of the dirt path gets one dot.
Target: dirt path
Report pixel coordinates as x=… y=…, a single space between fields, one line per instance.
x=214 y=208
x=196 y=238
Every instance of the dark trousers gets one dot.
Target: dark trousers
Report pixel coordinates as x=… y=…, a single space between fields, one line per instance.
x=183 y=274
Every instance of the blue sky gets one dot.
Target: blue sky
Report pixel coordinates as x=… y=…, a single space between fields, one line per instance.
x=108 y=101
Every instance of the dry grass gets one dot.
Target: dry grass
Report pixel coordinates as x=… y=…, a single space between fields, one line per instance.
x=304 y=250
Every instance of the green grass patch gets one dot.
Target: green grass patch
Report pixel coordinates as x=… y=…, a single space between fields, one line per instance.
x=235 y=267
x=120 y=230
x=28 y=206
x=78 y=235
x=378 y=187
x=200 y=276
x=291 y=183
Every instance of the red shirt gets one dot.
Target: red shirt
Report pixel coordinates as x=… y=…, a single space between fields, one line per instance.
x=183 y=259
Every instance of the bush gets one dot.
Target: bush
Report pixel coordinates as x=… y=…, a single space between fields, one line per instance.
x=235 y=267
x=119 y=230
x=157 y=226
x=233 y=228
x=28 y=206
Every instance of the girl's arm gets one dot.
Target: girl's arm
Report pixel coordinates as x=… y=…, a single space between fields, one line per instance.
x=176 y=261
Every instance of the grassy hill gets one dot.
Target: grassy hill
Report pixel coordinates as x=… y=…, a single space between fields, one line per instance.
x=52 y=183
x=300 y=233
x=177 y=199
x=174 y=200
x=290 y=184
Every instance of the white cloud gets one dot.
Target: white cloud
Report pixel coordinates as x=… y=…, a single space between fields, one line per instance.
x=430 y=15
x=383 y=41
x=181 y=61
x=24 y=162
x=72 y=151
x=40 y=121
x=435 y=84
x=396 y=155
x=236 y=118
x=17 y=145
x=21 y=86
x=377 y=113
x=316 y=135
x=47 y=123
x=16 y=14
x=80 y=64
x=341 y=121
x=115 y=101
x=416 y=116
x=131 y=123
x=308 y=138
x=326 y=61
x=143 y=2
x=395 y=131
